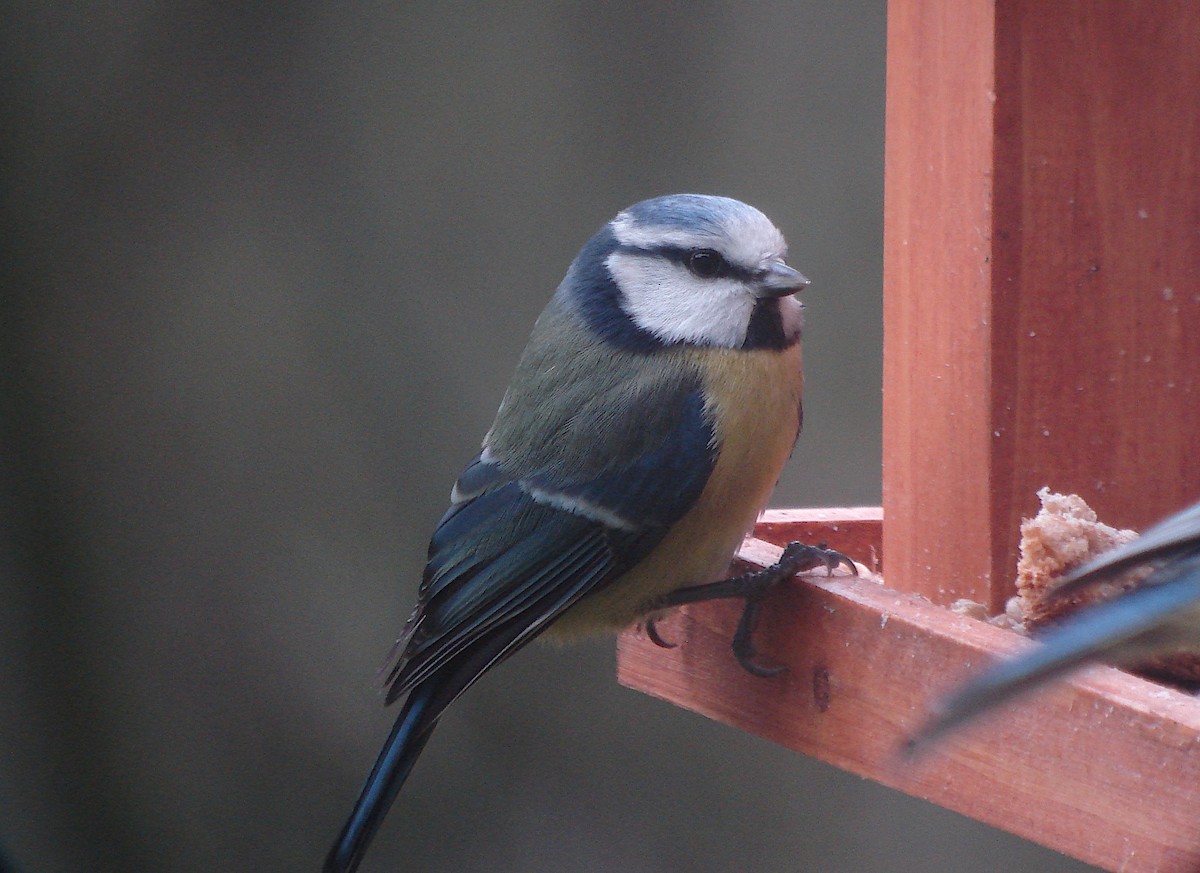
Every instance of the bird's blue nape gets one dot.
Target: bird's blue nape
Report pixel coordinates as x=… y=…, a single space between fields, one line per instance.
x=590 y=290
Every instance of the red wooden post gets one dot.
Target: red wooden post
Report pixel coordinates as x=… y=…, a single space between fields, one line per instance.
x=1041 y=274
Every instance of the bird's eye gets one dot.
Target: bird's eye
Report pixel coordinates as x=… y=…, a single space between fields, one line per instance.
x=706 y=263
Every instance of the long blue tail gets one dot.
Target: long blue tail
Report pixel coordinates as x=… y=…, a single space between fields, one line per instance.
x=425 y=704
x=404 y=744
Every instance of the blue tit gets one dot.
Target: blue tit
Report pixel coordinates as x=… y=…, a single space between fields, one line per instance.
x=644 y=430
x=1161 y=616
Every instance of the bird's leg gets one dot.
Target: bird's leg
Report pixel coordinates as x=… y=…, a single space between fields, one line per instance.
x=752 y=587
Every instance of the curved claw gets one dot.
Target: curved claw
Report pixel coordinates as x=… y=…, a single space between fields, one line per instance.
x=746 y=659
x=833 y=558
x=651 y=626
x=743 y=645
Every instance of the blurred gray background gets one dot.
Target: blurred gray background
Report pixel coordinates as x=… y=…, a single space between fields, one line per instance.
x=269 y=273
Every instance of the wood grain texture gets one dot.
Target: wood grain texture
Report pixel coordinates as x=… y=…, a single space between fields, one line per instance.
x=1042 y=274
x=938 y=181
x=1105 y=767
x=1103 y=239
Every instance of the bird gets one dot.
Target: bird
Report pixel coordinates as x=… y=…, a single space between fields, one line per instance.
x=645 y=428
x=1158 y=617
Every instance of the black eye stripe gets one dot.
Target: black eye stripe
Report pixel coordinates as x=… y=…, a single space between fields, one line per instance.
x=680 y=255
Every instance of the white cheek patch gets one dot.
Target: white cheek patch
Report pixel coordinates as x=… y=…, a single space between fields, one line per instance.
x=662 y=297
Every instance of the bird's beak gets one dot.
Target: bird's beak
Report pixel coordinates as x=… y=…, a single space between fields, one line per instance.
x=777 y=279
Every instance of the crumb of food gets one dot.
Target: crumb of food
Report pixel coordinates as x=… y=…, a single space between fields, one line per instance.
x=969 y=609
x=974 y=609
x=1013 y=613
x=1064 y=534
x=1010 y=618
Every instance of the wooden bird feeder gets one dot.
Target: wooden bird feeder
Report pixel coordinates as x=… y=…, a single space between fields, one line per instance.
x=1042 y=327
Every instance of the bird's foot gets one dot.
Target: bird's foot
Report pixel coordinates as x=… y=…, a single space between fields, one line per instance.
x=753 y=587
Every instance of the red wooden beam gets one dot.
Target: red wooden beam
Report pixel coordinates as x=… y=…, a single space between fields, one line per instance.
x=1103 y=767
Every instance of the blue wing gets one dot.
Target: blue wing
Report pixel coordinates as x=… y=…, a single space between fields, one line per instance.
x=517 y=551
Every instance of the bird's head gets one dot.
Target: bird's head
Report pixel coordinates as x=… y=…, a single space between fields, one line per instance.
x=687 y=268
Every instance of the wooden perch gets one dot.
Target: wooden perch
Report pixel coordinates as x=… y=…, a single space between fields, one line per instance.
x=1104 y=767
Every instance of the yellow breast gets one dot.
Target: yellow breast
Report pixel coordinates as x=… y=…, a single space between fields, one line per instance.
x=753 y=399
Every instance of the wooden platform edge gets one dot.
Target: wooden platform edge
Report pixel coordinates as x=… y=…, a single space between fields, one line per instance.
x=1104 y=767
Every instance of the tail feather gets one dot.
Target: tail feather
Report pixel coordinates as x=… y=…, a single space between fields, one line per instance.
x=412 y=730
x=422 y=709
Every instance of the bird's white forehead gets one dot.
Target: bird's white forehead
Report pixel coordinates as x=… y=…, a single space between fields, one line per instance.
x=744 y=236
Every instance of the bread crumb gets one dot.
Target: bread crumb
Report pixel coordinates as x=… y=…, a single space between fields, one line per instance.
x=1064 y=534
x=978 y=611
x=969 y=609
